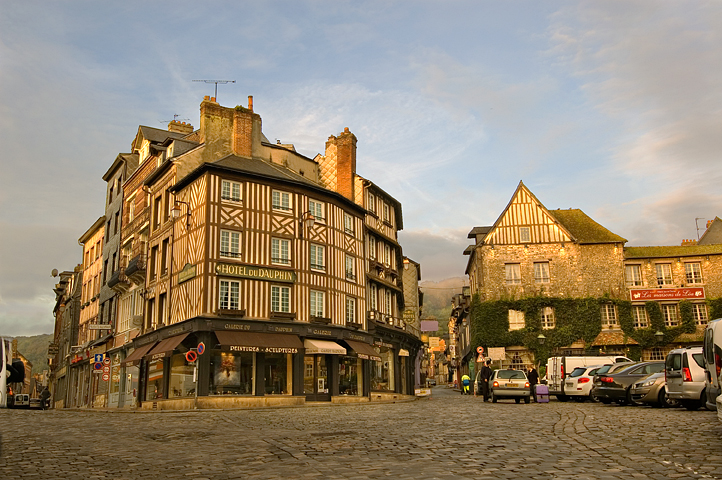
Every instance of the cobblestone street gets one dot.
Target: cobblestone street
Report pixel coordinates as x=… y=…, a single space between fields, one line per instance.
x=446 y=437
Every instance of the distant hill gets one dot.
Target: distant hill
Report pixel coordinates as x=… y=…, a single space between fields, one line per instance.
x=35 y=349
x=437 y=299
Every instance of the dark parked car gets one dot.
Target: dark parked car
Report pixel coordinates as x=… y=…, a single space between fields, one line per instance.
x=616 y=387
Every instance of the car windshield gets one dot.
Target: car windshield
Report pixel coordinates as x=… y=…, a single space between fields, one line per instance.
x=617 y=368
x=603 y=369
x=699 y=359
x=511 y=374
x=578 y=372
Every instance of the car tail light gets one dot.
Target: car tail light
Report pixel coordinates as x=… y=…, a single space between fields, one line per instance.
x=526 y=385
x=686 y=375
x=583 y=380
x=606 y=379
x=563 y=371
x=495 y=384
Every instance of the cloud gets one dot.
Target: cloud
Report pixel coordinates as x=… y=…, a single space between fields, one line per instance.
x=439 y=253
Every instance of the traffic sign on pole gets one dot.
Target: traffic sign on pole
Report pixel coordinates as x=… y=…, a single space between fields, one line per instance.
x=191 y=356
x=479 y=349
x=201 y=348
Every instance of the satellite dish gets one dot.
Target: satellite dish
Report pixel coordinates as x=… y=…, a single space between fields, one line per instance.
x=54 y=273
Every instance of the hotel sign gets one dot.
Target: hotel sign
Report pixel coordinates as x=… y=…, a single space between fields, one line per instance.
x=188 y=272
x=256 y=273
x=649 y=294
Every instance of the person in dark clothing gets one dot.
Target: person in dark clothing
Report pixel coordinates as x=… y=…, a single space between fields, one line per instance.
x=485 y=375
x=533 y=377
x=45 y=397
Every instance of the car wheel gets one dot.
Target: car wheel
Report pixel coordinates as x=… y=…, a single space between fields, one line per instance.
x=630 y=400
x=664 y=400
x=527 y=399
x=593 y=398
x=493 y=398
x=517 y=400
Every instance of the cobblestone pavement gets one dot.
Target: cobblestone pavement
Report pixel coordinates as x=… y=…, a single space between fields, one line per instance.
x=448 y=436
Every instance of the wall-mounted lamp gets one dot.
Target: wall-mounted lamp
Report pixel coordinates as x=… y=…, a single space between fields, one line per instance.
x=305 y=221
x=659 y=335
x=176 y=212
x=406 y=263
x=541 y=339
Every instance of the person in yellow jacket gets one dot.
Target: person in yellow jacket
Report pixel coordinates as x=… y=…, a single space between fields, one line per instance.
x=465 y=384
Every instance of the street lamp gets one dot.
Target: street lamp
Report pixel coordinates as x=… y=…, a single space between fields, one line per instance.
x=659 y=336
x=176 y=212
x=541 y=339
x=306 y=221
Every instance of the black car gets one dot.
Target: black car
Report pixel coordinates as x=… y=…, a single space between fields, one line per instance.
x=616 y=387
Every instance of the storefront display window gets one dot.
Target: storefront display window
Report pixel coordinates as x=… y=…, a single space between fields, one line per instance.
x=231 y=373
x=131 y=385
x=349 y=376
x=181 y=377
x=155 y=382
x=115 y=377
x=278 y=374
x=382 y=372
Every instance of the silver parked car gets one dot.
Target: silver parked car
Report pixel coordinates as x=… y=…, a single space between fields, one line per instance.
x=509 y=384
x=652 y=391
x=684 y=369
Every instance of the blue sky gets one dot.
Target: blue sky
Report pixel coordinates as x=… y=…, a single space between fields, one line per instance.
x=611 y=107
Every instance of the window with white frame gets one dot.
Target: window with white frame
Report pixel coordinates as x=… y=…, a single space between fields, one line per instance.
x=317 y=302
x=664 y=273
x=350 y=267
x=280 y=251
x=524 y=234
x=351 y=310
x=633 y=275
x=373 y=297
x=547 y=318
x=230 y=244
x=228 y=295
x=670 y=314
x=655 y=353
x=387 y=213
x=371 y=202
x=230 y=191
x=389 y=301
x=516 y=320
x=513 y=273
x=609 y=317
x=541 y=272
x=280 y=299
x=316 y=209
x=372 y=247
x=348 y=223
x=641 y=320
x=693 y=272
x=387 y=255
x=699 y=312
x=318 y=261
x=281 y=200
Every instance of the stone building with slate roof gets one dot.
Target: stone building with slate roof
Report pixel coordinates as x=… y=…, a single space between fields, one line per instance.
x=533 y=252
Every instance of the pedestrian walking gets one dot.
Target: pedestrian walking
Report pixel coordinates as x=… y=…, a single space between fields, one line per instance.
x=465 y=383
x=485 y=375
x=533 y=377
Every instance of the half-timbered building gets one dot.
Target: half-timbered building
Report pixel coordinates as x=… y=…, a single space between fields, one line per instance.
x=246 y=269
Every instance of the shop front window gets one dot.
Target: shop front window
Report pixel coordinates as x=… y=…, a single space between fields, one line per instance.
x=278 y=374
x=131 y=384
x=350 y=378
x=154 y=384
x=382 y=372
x=181 y=377
x=115 y=378
x=231 y=373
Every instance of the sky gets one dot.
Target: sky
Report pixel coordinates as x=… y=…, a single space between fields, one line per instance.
x=613 y=107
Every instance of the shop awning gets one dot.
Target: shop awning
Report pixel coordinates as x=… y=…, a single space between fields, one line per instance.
x=403 y=352
x=137 y=354
x=314 y=346
x=258 y=342
x=165 y=347
x=363 y=350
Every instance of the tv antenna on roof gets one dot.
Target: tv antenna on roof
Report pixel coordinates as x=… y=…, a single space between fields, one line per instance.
x=697 y=225
x=216 y=82
x=175 y=119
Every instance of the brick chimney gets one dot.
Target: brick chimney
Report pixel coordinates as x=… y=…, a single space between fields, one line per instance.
x=341 y=160
x=180 y=127
x=226 y=130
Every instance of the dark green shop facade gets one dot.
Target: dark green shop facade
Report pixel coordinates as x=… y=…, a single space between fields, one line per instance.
x=263 y=363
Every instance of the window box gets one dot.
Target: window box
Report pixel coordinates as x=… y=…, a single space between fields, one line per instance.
x=231 y=312
x=324 y=320
x=354 y=325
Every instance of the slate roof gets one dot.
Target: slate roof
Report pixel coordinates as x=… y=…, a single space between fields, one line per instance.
x=583 y=228
x=259 y=167
x=713 y=234
x=613 y=338
x=158 y=135
x=671 y=251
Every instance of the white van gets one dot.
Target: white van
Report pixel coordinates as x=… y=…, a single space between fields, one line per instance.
x=558 y=368
x=712 y=350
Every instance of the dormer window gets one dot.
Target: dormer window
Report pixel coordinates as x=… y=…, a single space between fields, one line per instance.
x=524 y=234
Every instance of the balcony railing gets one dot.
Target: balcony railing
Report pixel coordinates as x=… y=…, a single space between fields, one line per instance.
x=396 y=322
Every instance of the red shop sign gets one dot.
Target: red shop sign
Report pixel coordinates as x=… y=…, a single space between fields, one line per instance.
x=667 y=294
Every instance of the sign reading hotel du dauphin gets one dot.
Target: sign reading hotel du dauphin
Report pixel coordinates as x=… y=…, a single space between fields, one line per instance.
x=667 y=294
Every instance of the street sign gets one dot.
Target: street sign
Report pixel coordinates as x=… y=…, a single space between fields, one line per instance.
x=97 y=366
x=497 y=353
x=201 y=348
x=479 y=349
x=99 y=326
x=98 y=357
x=106 y=361
x=105 y=377
x=106 y=369
x=191 y=356
x=480 y=358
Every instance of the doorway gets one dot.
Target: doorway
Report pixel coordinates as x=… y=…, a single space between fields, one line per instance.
x=315 y=378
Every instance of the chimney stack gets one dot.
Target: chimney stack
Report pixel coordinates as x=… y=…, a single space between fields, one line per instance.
x=180 y=127
x=341 y=159
x=250 y=103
